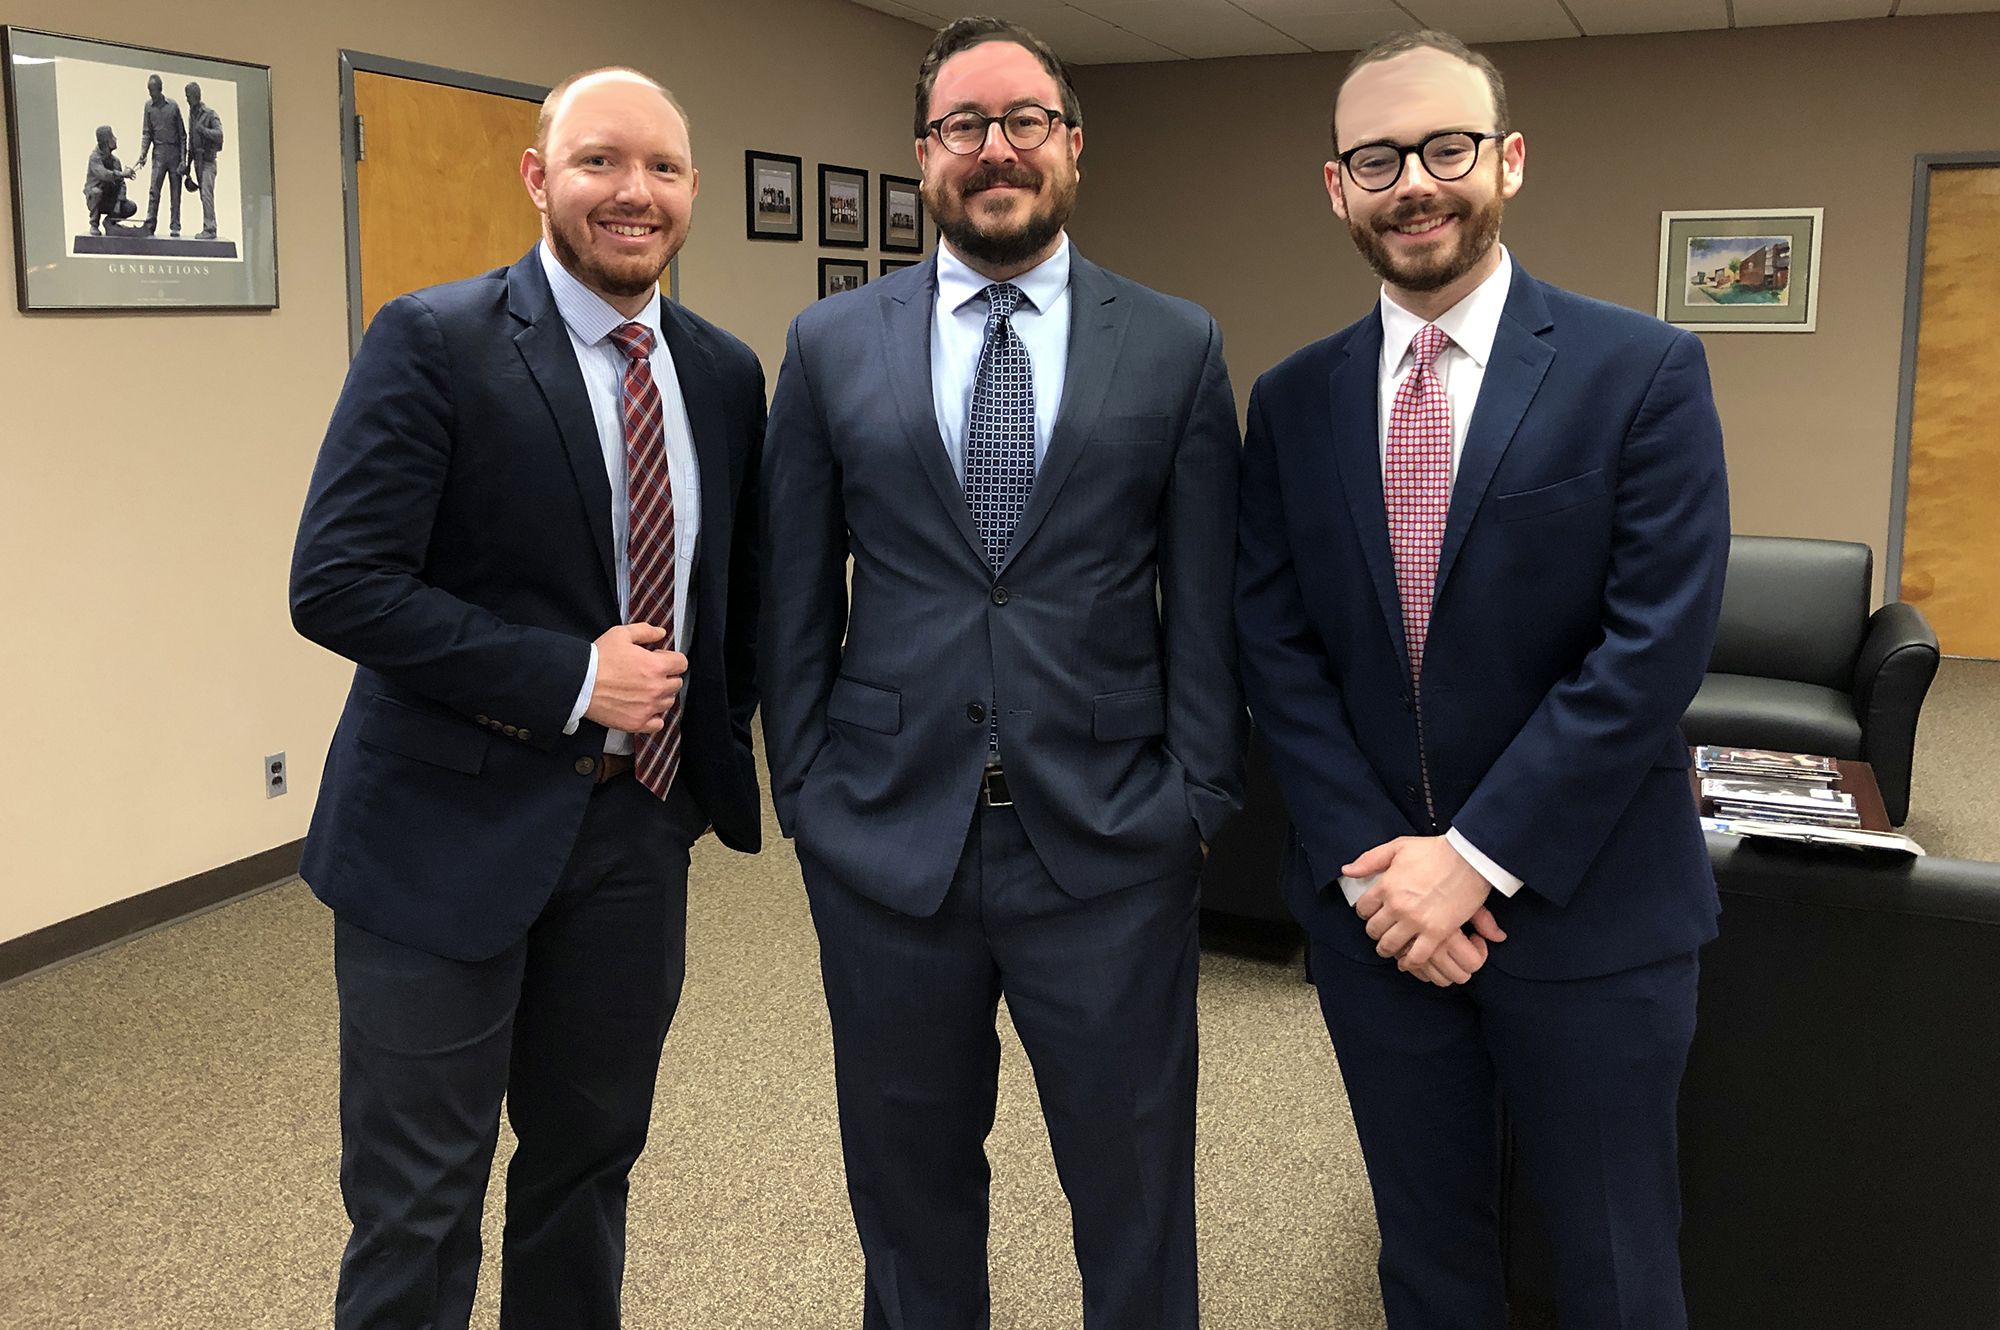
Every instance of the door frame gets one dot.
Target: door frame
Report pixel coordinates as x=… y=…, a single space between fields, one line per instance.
x=350 y=184
x=1913 y=313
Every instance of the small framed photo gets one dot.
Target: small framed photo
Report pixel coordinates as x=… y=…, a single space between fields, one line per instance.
x=896 y=265
x=142 y=178
x=771 y=196
x=1741 y=269
x=902 y=215
x=843 y=207
x=837 y=275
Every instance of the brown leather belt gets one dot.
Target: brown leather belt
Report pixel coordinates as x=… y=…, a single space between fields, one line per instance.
x=610 y=765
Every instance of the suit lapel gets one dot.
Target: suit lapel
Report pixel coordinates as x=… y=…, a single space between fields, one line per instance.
x=1097 y=323
x=1514 y=373
x=906 y=327
x=701 y=393
x=1354 y=391
x=544 y=344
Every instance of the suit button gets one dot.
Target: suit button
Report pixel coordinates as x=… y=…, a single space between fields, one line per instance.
x=482 y=720
x=999 y=595
x=523 y=735
x=509 y=731
x=1409 y=791
x=974 y=712
x=584 y=766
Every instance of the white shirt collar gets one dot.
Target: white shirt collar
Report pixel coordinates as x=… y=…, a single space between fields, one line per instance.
x=1472 y=323
x=1040 y=285
x=589 y=317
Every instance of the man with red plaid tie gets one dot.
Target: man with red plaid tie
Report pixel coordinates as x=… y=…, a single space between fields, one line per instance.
x=1482 y=544
x=533 y=528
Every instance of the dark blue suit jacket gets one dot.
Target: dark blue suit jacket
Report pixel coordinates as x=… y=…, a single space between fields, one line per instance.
x=1577 y=596
x=1108 y=631
x=456 y=545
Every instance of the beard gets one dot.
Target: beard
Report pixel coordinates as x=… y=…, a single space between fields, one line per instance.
x=1433 y=271
x=631 y=275
x=997 y=244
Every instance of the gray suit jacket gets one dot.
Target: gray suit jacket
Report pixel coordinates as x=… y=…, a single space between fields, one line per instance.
x=1107 y=637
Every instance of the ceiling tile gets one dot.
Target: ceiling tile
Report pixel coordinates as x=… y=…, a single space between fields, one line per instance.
x=1197 y=28
x=1601 y=18
x=924 y=17
x=1331 y=25
x=1766 y=13
x=1495 y=20
x=1910 y=8
x=1080 y=37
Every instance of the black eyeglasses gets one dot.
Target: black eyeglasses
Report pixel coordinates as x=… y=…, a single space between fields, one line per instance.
x=1448 y=154
x=964 y=132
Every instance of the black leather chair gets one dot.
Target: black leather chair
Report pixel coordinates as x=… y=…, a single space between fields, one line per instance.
x=1800 y=665
x=1840 y=1116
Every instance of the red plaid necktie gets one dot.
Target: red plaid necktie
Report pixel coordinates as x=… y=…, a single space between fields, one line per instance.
x=1416 y=482
x=649 y=542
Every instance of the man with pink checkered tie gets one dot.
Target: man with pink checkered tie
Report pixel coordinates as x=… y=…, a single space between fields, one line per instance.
x=1482 y=541
x=533 y=527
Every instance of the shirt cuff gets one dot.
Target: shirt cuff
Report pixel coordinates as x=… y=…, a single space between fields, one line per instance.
x=1503 y=881
x=583 y=698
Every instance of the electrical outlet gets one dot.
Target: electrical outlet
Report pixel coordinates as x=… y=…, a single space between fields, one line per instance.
x=274 y=775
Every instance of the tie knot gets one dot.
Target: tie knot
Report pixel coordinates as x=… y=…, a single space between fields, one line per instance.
x=1004 y=298
x=1430 y=343
x=634 y=339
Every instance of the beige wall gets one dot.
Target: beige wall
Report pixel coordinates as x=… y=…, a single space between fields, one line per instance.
x=148 y=662
x=1204 y=180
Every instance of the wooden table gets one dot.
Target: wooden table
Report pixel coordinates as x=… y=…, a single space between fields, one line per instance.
x=1855 y=778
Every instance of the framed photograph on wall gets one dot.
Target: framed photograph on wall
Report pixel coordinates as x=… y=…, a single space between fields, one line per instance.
x=1741 y=269
x=142 y=178
x=837 y=275
x=843 y=207
x=771 y=196
x=902 y=215
x=896 y=265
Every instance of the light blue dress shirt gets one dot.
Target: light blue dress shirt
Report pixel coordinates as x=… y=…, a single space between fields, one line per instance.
x=958 y=336
x=590 y=322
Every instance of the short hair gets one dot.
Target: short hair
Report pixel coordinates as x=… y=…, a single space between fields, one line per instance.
x=966 y=33
x=1424 y=39
x=552 y=102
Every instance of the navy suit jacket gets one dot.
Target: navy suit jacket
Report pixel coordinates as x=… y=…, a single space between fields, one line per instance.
x=1577 y=595
x=456 y=545
x=1107 y=636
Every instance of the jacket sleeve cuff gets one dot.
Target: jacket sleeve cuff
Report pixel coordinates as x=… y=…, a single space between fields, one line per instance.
x=1503 y=881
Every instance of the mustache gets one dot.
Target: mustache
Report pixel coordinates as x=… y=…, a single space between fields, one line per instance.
x=1017 y=174
x=1414 y=209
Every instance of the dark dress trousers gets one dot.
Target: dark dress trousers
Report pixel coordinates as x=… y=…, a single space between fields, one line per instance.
x=1105 y=641
x=1577 y=594
x=506 y=923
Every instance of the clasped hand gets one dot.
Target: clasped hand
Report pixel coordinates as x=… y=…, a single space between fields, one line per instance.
x=637 y=679
x=1417 y=910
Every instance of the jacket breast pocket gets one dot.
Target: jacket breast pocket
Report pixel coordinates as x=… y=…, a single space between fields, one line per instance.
x=855 y=703
x=1135 y=713
x=1546 y=499
x=442 y=741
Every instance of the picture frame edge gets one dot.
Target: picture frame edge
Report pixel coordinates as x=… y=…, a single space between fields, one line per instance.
x=1817 y=217
x=882 y=208
x=751 y=156
x=826 y=241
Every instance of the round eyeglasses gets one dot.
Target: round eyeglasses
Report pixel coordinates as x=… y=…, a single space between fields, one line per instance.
x=1447 y=155
x=964 y=132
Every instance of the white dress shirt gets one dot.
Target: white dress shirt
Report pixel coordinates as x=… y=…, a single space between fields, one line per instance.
x=590 y=322
x=1472 y=325
x=958 y=336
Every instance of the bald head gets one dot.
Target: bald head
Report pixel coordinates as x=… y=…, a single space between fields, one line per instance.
x=552 y=105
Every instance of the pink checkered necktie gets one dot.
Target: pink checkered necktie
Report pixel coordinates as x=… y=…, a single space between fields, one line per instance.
x=649 y=542
x=1416 y=482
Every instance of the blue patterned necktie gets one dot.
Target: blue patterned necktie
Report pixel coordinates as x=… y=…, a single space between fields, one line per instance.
x=1000 y=433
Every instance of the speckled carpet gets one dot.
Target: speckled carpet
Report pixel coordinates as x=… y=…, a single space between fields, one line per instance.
x=168 y=1141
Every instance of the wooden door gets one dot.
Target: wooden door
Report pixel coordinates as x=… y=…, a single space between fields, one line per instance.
x=1951 y=525
x=438 y=184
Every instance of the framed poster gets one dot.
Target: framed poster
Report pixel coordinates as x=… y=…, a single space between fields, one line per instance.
x=896 y=265
x=843 y=207
x=771 y=196
x=837 y=275
x=902 y=215
x=1741 y=269
x=142 y=178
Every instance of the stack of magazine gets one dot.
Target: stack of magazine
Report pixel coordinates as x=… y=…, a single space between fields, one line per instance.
x=1791 y=796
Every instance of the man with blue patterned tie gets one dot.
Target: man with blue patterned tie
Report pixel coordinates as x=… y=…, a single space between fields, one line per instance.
x=1001 y=751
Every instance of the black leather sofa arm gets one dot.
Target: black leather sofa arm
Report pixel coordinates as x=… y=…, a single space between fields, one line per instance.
x=1898 y=660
